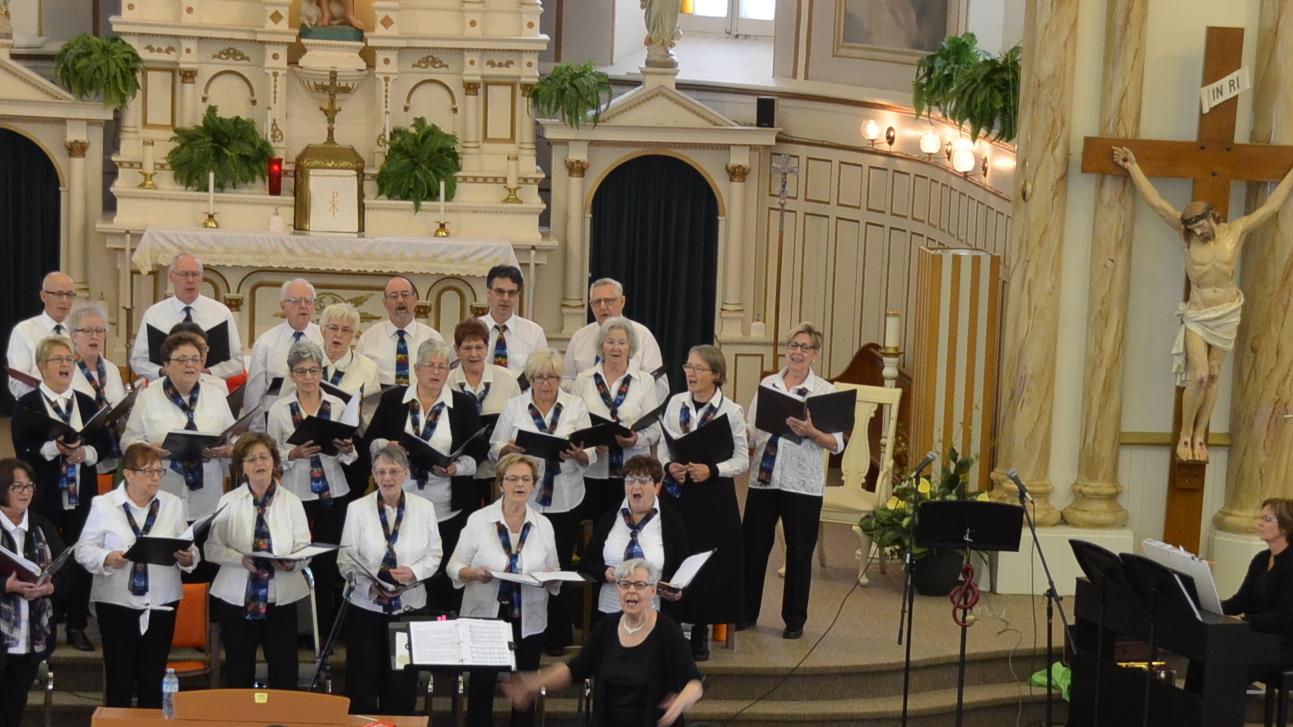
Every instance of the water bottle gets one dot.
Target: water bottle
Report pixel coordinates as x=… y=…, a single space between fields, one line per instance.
x=170 y=686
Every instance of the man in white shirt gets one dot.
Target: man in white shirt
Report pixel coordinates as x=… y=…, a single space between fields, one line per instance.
x=57 y=293
x=606 y=298
x=392 y=343
x=187 y=304
x=511 y=338
x=269 y=355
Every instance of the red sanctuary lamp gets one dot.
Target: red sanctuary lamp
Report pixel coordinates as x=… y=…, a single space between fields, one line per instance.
x=275 y=176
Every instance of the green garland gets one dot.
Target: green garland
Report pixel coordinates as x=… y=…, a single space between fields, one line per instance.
x=418 y=159
x=231 y=146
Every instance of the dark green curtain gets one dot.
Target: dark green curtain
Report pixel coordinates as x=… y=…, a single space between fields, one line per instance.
x=29 y=236
x=655 y=229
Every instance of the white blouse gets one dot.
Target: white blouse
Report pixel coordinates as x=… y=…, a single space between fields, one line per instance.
x=651 y=539
x=296 y=472
x=479 y=547
x=568 y=488
x=418 y=546
x=358 y=372
x=502 y=387
x=437 y=489
x=107 y=530
x=523 y=337
x=113 y=388
x=231 y=536
x=740 y=459
x=799 y=468
x=641 y=398
x=154 y=415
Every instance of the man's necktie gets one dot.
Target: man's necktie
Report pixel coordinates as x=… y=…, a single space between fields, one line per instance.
x=59 y=329
x=297 y=336
x=500 y=346
x=188 y=314
x=401 y=359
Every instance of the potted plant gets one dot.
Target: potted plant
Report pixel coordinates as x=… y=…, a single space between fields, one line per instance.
x=892 y=524
x=572 y=92
x=968 y=86
x=88 y=65
x=230 y=146
x=418 y=159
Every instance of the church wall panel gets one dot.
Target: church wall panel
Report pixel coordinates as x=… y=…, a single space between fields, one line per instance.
x=844 y=322
x=816 y=268
x=849 y=186
x=920 y=198
x=159 y=98
x=817 y=181
x=877 y=198
x=500 y=121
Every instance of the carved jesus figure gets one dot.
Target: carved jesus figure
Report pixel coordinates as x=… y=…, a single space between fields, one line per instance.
x=1210 y=316
x=661 y=18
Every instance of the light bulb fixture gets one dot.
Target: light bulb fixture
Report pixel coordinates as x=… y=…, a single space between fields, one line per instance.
x=870 y=131
x=962 y=142
x=890 y=136
x=963 y=160
x=930 y=144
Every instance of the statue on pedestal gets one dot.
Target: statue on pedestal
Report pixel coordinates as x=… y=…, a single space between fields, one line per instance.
x=1210 y=317
x=662 y=32
x=6 y=25
x=327 y=13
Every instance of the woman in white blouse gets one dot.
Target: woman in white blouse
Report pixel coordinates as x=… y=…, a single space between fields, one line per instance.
x=182 y=401
x=705 y=495
x=135 y=602
x=488 y=384
x=95 y=375
x=392 y=535
x=788 y=487
x=343 y=367
x=613 y=390
x=510 y=536
x=559 y=493
x=255 y=596
x=315 y=477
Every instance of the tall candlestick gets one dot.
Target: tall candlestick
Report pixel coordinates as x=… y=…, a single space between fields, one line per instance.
x=149 y=159
x=892 y=328
x=442 y=199
x=513 y=171
x=269 y=124
x=211 y=192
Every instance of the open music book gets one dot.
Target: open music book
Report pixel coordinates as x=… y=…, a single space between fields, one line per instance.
x=538 y=579
x=11 y=562
x=462 y=642
x=687 y=570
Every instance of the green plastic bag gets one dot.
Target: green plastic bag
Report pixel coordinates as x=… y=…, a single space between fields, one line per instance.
x=1060 y=677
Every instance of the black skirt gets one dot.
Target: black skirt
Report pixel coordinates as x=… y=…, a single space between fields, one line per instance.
x=713 y=520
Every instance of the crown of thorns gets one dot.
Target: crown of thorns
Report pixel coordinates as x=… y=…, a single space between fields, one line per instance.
x=1205 y=214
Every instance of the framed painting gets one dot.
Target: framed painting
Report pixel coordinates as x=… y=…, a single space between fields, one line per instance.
x=897 y=31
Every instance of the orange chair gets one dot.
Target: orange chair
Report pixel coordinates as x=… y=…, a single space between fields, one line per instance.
x=193 y=629
x=106 y=482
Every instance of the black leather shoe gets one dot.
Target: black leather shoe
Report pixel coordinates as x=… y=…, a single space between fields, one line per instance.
x=794 y=633
x=77 y=639
x=743 y=625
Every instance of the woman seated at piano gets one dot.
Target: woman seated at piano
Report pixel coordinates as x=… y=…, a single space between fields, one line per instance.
x=490 y=385
x=135 y=602
x=645 y=672
x=1265 y=598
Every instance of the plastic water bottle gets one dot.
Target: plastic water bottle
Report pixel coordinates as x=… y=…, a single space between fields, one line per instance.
x=170 y=687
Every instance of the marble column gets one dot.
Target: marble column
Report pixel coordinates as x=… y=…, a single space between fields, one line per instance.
x=471 y=126
x=731 y=312
x=1095 y=503
x=188 y=111
x=1037 y=237
x=525 y=129
x=76 y=200
x=572 y=299
x=1261 y=401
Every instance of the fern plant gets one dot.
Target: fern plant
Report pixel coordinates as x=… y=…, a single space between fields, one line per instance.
x=572 y=92
x=230 y=146
x=937 y=72
x=967 y=86
x=88 y=65
x=418 y=159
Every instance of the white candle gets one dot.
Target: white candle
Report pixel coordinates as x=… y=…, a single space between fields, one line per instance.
x=387 y=127
x=442 y=199
x=149 y=160
x=892 y=328
x=211 y=192
x=513 y=172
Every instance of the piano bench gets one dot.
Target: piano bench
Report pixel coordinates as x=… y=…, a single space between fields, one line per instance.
x=1277 y=699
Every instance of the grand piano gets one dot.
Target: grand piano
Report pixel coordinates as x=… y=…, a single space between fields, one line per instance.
x=1129 y=598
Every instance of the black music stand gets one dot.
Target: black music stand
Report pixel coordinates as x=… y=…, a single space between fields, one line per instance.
x=1101 y=566
x=1154 y=583
x=968 y=525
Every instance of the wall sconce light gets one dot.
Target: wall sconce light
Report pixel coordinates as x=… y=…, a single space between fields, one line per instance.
x=930 y=144
x=963 y=160
x=890 y=135
x=870 y=131
x=984 y=166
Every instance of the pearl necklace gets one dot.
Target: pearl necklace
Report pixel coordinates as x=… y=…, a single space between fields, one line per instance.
x=624 y=624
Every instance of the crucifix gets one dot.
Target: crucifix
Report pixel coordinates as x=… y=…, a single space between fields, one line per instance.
x=330 y=111
x=1213 y=161
x=786 y=169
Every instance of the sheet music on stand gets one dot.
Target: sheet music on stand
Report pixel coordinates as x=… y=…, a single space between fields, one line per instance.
x=464 y=642
x=1188 y=564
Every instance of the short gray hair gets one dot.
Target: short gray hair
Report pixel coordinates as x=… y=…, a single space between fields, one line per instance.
x=544 y=358
x=171 y=268
x=432 y=348
x=85 y=310
x=393 y=454
x=624 y=571
x=619 y=287
x=621 y=324
x=304 y=351
x=344 y=311
x=282 y=289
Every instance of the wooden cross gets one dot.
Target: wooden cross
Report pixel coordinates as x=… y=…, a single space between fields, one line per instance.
x=1214 y=161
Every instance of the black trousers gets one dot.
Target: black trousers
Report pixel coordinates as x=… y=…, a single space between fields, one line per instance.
x=371 y=684
x=799 y=519
x=16 y=674
x=72 y=603
x=326 y=521
x=441 y=594
x=480 y=684
x=276 y=635
x=134 y=664
x=561 y=607
x=482 y=495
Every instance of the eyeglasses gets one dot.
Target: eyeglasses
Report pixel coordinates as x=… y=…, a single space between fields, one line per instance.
x=635 y=585
x=639 y=481
x=595 y=302
x=65 y=294
x=187 y=360
x=22 y=487
x=152 y=473
x=62 y=359
x=537 y=378
x=311 y=371
x=91 y=331
x=187 y=274
x=505 y=292
x=797 y=346
x=299 y=301
x=518 y=479
x=434 y=367
x=334 y=328
x=265 y=457
x=693 y=369
x=396 y=472
x=1268 y=518
x=401 y=295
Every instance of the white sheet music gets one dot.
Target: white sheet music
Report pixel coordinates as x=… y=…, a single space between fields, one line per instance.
x=524 y=579
x=463 y=642
x=1182 y=560
x=688 y=569
x=569 y=576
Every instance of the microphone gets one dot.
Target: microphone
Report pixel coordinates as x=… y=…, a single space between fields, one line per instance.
x=1013 y=474
x=929 y=459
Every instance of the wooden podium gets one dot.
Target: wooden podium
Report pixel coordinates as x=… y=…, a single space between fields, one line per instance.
x=247 y=707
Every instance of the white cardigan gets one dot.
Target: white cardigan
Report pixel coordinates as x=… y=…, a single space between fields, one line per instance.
x=418 y=547
x=231 y=536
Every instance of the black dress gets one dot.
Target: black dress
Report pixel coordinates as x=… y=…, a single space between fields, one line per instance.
x=1266 y=600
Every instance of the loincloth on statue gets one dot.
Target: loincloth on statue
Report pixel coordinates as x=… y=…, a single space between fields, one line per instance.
x=1217 y=327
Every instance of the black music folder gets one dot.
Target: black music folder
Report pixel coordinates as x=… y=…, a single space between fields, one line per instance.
x=236 y=398
x=322 y=432
x=41 y=427
x=601 y=434
x=217 y=344
x=544 y=446
x=156 y=551
x=423 y=455
x=186 y=446
x=832 y=413
x=14 y=563
x=336 y=391
x=709 y=444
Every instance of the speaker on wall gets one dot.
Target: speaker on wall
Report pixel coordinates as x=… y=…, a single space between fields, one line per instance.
x=766 y=111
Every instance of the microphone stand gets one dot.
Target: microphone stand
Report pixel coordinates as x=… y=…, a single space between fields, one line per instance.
x=1053 y=601
x=908 y=612
x=321 y=661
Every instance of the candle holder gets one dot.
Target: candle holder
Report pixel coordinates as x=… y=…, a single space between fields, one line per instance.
x=512 y=197
x=442 y=228
x=148 y=180
x=210 y=222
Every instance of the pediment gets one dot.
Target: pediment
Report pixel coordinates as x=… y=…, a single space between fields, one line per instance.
x=19 y=83
x=661 y=106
